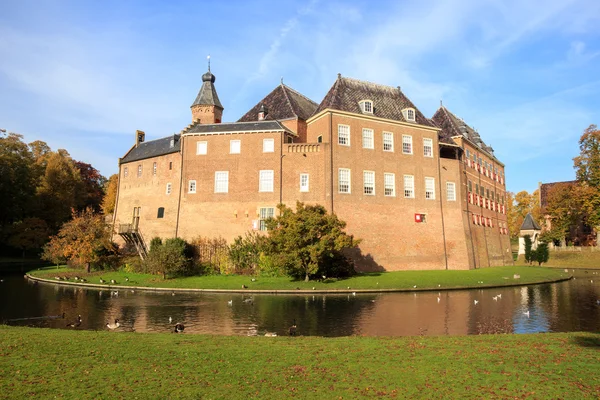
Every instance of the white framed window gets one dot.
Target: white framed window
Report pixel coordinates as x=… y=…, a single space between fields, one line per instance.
x=450 y=191
x=268 y=145
x=430 y=188
x=409 y=114
x=369 y=183
x=235 y=146
x=139 y=170
x=366 y=106
x=388 y=141
x=154 y=168
x=201 y=148
x=407 y=144
x=344 y=180
x=468 y=154
x=192 y=186
x=168 y=190
x=409 y=186
x=304 y=182
x=344 y=135
x=125 y=171
x=427 y=147
x=367 y=139
x=265 y=183
x=389 y=183
x=221 y=181
x=265 y=213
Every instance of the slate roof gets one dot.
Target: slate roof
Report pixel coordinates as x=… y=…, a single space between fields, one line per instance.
x=451 y=125
x=256 y=126
x=282 y=103
x=207 y=94
x=388 y=102
x=529 y=224
x=152 y=148
x=545 y=189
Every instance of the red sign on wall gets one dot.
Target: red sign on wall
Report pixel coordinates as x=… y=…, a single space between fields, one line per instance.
x=419 y=217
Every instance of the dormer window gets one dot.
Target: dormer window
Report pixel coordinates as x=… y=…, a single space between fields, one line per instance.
x=366 y=106
x=409 y=114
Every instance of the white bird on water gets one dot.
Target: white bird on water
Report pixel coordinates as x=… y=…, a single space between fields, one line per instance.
x=526 y=313
x=499 y=296
x=495 y=298
x=475 y=302
x=230 y=302
x=170 y=319
x=114 y=326
x=438 y=299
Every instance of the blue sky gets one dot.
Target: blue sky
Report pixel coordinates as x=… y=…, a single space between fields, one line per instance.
x=85 y=75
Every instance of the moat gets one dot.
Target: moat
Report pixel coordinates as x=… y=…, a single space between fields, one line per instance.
x=559 y=307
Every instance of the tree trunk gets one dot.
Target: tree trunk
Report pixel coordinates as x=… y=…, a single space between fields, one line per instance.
x=306 y=278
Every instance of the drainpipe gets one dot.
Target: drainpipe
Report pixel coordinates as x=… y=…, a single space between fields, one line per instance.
x=112 y=232
x=487 y=251
x=331 y=154
x=182 y=138
x=442 y=207
x=281 y=155
x=498 y=222
x=469 y=220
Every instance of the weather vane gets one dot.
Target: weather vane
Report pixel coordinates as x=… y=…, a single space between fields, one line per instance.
x=208 y=58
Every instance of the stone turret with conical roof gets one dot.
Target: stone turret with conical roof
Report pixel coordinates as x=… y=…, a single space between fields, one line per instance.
x=207 y=109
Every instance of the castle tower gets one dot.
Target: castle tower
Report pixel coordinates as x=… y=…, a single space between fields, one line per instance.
x=207 y=108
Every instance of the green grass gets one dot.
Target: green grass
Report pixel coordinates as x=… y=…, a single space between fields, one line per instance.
x=578 y=259
x=44 y=363
x=496 y=276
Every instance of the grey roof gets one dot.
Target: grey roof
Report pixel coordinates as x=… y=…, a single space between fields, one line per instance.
x=230 y=127
x=453 y=126
x=152 y=148
x=388 y=102
x=282 y=103
x=529 y=224
x=207 y=94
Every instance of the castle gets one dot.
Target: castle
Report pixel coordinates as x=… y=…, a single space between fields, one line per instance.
x=421 y=193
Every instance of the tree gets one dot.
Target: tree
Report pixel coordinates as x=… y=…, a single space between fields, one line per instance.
x=587 y=166
x=92 y=186
x=541 y=254
x=518 y=206
x=17 y=179
x=564 y=208
x=110 y=196
x=83 y=240
x=308 y=241
x=29 y=234
x=59 y=189
x=527 y=239
x=168 y=258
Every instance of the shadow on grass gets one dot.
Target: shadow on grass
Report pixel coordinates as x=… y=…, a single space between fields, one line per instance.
x=587 y=341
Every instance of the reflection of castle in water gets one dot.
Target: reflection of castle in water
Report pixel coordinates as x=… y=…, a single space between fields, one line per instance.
x=568 y=306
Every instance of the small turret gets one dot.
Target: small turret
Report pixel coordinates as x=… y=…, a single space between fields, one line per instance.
x=262 y=112
x=140 y=136
x=207 y=109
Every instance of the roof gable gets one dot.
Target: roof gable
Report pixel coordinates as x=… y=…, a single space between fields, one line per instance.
x=451 y=126
x=388 y=102
x=282 y=103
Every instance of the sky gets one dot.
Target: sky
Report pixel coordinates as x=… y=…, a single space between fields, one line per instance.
x=85 y=75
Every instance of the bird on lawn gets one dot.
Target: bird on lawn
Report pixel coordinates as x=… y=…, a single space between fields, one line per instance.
x=293 y=329
x=244 y=287
x=102 y=280
x=114 y=326
x=126 y=279
x=113 y=282
x=178 y=328
x=76 y=278
x=76 y=323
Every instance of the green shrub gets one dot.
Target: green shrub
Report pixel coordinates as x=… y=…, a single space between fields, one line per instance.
x=244 y=253
x=209 y=255
x=268 y=267
x=542 y=254
x=528 y=251
x=168 y=259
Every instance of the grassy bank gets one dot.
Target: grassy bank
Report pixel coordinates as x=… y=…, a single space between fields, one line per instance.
x=133 y=365
x=381 y=280
x=577 y=259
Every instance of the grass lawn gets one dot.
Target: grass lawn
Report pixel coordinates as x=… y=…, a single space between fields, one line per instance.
x=44 y=363
x=381 y=280
x=577 y=259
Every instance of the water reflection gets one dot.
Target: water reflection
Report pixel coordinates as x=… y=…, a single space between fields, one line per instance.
x=561 y=307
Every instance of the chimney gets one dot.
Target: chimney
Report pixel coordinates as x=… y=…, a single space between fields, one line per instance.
x=262 y=112
x=140 y=136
